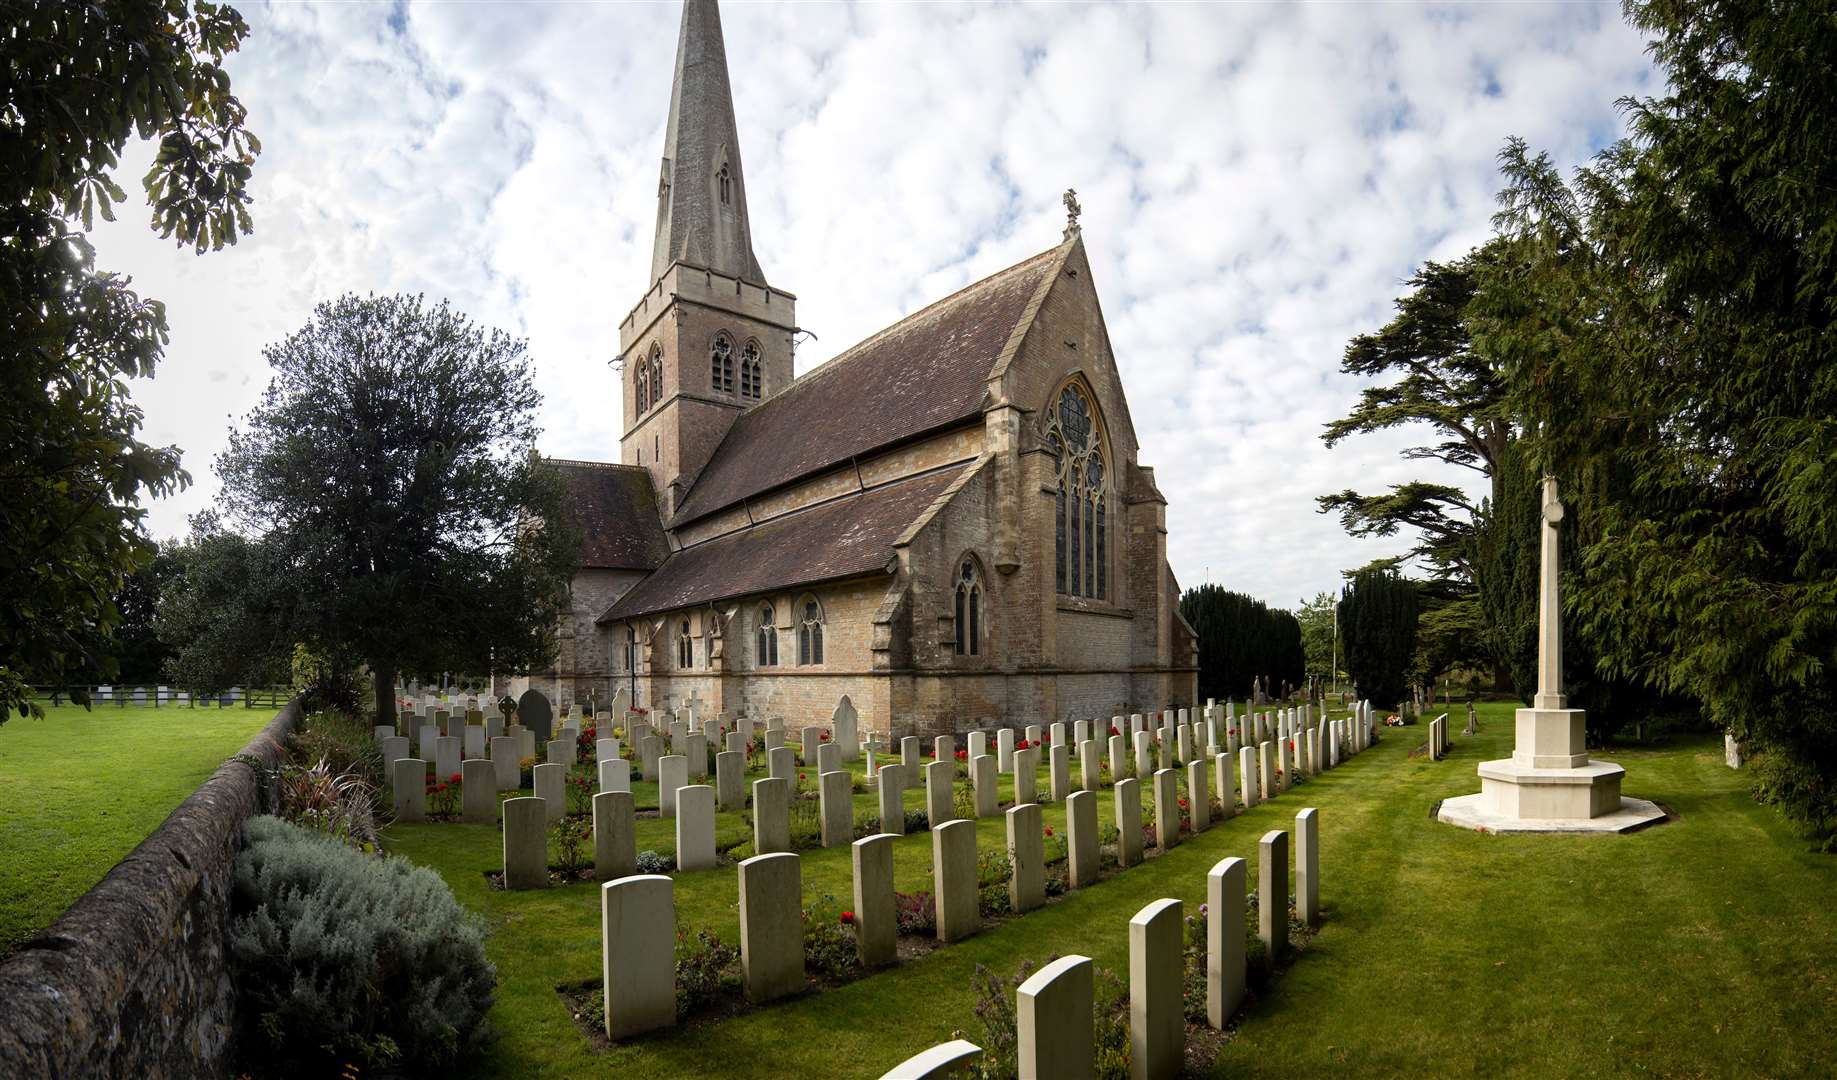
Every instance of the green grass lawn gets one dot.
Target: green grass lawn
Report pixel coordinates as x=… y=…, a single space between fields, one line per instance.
x=1703 y=946
x=79 y=789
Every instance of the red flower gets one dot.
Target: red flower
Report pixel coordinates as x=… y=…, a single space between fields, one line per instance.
x=800 y=776
x=1113 y=730
x=455 y=779
x=848 y=918
x=1183 y=804
x=824 y=736
x=1049 y=830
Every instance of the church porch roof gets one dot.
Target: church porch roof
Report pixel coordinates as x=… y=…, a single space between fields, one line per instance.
x=843 y=538
x=615 y=510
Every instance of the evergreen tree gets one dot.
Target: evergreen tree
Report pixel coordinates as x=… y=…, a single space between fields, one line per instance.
x=1504 y=552
x=1666 y=325
x=390 y=472
x=1242 y=639
x=1378 y=615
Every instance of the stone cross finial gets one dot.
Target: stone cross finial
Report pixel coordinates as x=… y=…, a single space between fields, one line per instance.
x=1549 y=605
x=1072 y=210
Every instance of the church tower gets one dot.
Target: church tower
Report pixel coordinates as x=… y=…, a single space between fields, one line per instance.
x=710 y=338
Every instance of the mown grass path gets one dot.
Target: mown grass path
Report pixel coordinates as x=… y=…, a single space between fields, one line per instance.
x=1703 y=946
x=79 y=789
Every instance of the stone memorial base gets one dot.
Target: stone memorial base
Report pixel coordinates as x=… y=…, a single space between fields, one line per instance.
x=1515 y=797
x=1470 y=812
x=1549 y=785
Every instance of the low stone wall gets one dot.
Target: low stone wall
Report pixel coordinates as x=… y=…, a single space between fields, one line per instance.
x=132 y=980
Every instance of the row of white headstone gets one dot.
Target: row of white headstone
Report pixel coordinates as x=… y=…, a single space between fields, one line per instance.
x=638 y=964
x=693 y=806
x=1055 y=1008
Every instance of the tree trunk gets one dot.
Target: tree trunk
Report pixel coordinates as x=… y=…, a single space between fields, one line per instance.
x=384 y=681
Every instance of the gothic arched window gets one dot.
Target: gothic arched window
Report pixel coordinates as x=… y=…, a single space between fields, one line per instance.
x=810 y=635
x=724 y=181
x=641 y=377
x=765 y=640
x=1080 y=511
x=752 y=376
x=721 y=365
x=631 y=649
x=685 y=648
x=969 y=610
x=656 y=366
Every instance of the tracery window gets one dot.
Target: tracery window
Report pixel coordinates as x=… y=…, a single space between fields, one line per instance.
x=1080 y=511
x=765 y=639
x=969 y=610
x=810 y=635
x=724 y=181
x=721 y=365
x=685 y=648
x=752 y=376
x=656 y=366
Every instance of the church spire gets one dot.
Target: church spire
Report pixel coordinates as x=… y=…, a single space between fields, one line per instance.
x=701 y=194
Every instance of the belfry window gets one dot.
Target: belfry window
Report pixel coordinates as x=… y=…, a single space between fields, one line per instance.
x=1081 y=497
x=721 y=365
x=810 y=635
x=752 y=376
x=969 y=610
x=765 y=639
x=725 y=183
x=647 y=379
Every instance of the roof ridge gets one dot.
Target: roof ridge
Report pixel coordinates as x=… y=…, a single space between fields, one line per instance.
x=582 y=463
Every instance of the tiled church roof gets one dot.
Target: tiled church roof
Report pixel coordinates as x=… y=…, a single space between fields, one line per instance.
x=616 y=512
x=845 y=538
x=926 y=372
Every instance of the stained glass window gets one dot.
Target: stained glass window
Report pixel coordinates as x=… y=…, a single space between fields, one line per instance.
x=1080 y=511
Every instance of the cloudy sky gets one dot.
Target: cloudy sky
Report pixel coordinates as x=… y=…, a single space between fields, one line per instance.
x=1256 y=180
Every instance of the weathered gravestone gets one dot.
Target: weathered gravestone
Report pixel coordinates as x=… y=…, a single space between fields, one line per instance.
x=535 y=713
x=845 y=725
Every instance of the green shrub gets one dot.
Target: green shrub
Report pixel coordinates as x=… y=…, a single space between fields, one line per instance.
x=707 y=969
x=348 y=747
x=337 y=804
x=806 y=821
x=993 y=871
x=340 y=957
x=963 y=801
x=829 y=941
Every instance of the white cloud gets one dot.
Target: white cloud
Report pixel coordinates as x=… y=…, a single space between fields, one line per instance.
x=1257 y=180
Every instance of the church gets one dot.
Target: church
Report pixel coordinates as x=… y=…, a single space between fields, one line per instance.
x=947 y=521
